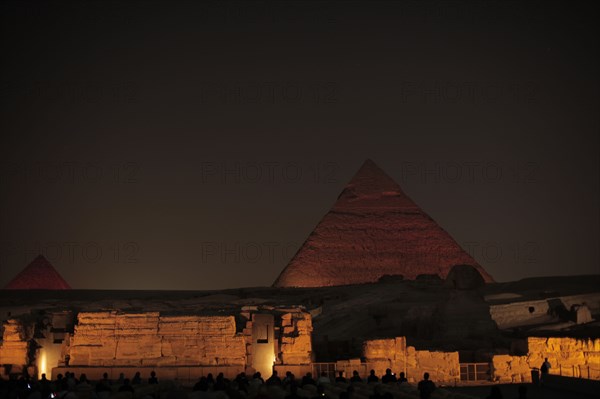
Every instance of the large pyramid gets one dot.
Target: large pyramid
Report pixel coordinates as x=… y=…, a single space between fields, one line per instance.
x=372 y=230
x=38 y=275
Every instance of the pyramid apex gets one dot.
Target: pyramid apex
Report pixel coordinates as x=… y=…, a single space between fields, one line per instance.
x=369 y=163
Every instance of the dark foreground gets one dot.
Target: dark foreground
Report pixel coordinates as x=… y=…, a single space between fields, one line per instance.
x=510 y=391
x=253 y=389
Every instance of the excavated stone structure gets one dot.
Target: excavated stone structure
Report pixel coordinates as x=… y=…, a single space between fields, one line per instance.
x=393 y=353
x=181 y=346
x=185 y=347
x=374 y=229
x=568 y=356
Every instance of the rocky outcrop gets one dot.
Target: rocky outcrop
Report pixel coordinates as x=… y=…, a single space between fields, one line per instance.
x=372 y=230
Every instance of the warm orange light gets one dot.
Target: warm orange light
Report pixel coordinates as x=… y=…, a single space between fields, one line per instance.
x=42 y=363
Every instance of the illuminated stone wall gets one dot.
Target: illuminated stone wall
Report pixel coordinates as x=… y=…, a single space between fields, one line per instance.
x=149 y=339
x=295 y=338
x=568 y=357
x=393 y=353
x=14 y=347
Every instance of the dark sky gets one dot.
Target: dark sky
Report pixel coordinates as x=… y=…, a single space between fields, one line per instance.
x=177 y=145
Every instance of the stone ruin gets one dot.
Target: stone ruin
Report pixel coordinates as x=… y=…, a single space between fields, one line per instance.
x=186 y=346
x=181 y=346
x=568 y=356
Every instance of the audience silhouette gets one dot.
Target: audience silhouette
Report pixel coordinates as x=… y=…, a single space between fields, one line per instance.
x=426 y=387
x=372 y=377
x=355 y=377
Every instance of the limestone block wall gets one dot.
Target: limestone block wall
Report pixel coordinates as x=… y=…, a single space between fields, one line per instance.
x=568 y=357
x=511 y=369
x=15 y=346
x=393 y=353
x=149 y=339
x=295 y=342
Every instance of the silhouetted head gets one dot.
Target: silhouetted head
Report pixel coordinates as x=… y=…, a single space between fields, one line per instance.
x=372 y=372
x=402 y=374
x=355 y=373
x=341 y=373
x=426 y=376
x=152 y=373
x=105 y=376
x=388 y=371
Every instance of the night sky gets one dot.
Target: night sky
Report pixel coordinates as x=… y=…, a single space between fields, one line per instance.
x=177 y=145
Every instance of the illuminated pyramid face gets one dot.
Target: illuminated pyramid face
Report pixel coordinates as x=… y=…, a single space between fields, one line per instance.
x=38 y=275
x=372 y=230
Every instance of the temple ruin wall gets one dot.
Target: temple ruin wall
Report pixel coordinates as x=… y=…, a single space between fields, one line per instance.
x=393 y=353
x=568 y=357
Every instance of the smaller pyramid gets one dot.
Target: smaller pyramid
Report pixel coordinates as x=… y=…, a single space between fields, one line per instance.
x=38 y=275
